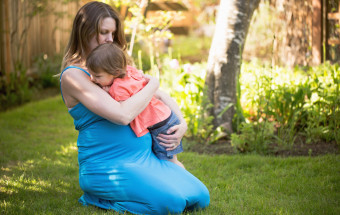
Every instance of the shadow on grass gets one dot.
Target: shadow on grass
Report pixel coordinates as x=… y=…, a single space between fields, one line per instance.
x=40 y=183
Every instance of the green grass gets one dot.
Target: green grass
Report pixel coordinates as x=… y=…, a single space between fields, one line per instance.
x=191 y=47
x=39 y=172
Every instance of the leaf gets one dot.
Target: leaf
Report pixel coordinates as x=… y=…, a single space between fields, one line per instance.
x=225 y=109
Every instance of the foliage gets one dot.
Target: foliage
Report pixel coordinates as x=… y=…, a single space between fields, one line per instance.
x=39 y=172
x=191 y=48
x=44 y=70
x=23 y=82
x=16 y=91
x=253 y=137
x=298 y=102
x=151 y=36
x=185 y=83
x=322 y=121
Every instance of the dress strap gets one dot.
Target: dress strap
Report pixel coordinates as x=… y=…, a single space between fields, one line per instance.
x=70 y=67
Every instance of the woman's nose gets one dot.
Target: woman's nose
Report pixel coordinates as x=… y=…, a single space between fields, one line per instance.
x=109 y=38
x=92 y=79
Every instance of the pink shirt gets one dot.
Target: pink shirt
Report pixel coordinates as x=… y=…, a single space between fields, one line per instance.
x=124 y=88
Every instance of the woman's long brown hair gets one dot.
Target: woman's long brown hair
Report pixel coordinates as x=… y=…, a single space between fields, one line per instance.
x=86 y=24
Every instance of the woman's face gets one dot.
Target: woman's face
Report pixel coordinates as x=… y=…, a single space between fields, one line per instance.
x=106 y=34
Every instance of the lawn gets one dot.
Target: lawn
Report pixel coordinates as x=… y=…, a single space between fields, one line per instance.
x=39 y=172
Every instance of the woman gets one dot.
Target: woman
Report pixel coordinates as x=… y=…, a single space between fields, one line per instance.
x=117 y=170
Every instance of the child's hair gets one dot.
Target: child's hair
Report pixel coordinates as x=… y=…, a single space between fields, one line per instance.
x=109 y=58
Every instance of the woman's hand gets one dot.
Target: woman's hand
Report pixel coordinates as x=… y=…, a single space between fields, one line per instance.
x=173 y=137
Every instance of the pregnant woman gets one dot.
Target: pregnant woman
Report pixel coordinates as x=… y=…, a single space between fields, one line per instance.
x=118 y=170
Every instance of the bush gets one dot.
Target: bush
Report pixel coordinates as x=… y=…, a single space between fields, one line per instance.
x=16 y=90
x=22 y=84
x=253 y=137
x=300 y=102
x=44 y=70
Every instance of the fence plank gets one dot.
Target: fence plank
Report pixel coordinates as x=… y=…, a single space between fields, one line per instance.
x=334 y=16
x=7 y=41
x=23 y=37
x=316 y=32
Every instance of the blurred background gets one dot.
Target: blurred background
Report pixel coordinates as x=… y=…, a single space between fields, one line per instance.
x=282 y=31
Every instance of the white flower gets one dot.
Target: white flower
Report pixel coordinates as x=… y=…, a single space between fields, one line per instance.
x=187 y=68
x=174 y=64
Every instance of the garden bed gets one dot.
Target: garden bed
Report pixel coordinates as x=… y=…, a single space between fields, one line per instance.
x=298 y=149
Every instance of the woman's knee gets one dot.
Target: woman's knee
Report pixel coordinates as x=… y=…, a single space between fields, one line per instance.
x=172 y=203
x=200 y=201
x=205 y=199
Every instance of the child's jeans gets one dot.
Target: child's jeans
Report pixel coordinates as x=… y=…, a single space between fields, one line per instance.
x=161 y=128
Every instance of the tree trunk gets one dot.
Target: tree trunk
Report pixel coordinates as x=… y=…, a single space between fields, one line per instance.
x=224 y=60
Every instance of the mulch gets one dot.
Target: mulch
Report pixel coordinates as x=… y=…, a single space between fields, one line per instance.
x=297 y=149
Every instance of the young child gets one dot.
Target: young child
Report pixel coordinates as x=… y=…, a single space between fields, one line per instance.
x=108 y=67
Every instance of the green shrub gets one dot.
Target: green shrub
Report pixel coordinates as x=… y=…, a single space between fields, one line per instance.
x=253 y=137
x=22 y=84
x=323 y=108
x=298 y=101
x=45 y=68
x=16 y=90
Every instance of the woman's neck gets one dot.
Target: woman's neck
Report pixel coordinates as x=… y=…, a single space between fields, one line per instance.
x=78 y=63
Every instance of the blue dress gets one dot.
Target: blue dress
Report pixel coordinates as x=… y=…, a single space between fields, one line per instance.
x=119 y=171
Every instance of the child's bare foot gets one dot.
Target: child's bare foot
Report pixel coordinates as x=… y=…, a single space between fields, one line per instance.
x=175 y=161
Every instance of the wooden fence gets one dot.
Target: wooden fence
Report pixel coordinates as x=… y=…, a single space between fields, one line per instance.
x=326 y=31
x=29 y=29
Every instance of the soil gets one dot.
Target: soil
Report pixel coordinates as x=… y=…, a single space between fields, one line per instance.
x=298 y=149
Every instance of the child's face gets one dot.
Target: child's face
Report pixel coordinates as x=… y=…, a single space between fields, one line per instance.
x=102 y=78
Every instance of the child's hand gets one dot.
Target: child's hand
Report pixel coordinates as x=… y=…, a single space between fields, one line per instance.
x=150 y=79
x=106 y=88
x=147 y=77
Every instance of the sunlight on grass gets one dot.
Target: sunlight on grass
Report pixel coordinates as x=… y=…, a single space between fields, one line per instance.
x=68 y=149
x=39 y=172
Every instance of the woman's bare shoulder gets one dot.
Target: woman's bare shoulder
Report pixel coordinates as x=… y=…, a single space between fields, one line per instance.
x=74 y=75
x=74 y=83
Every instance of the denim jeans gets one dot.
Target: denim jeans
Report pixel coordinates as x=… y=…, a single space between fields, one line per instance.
x=159 y=150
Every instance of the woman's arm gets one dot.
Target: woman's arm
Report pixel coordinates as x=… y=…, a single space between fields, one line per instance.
x=77 y=86
x=171 y=141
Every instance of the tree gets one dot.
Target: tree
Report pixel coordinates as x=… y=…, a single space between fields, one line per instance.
x=224 y=60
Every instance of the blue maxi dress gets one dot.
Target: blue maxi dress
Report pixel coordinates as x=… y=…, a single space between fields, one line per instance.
x=119 y=171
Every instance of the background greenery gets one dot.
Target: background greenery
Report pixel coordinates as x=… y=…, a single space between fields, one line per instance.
x=276 y=106
x=39 y=172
